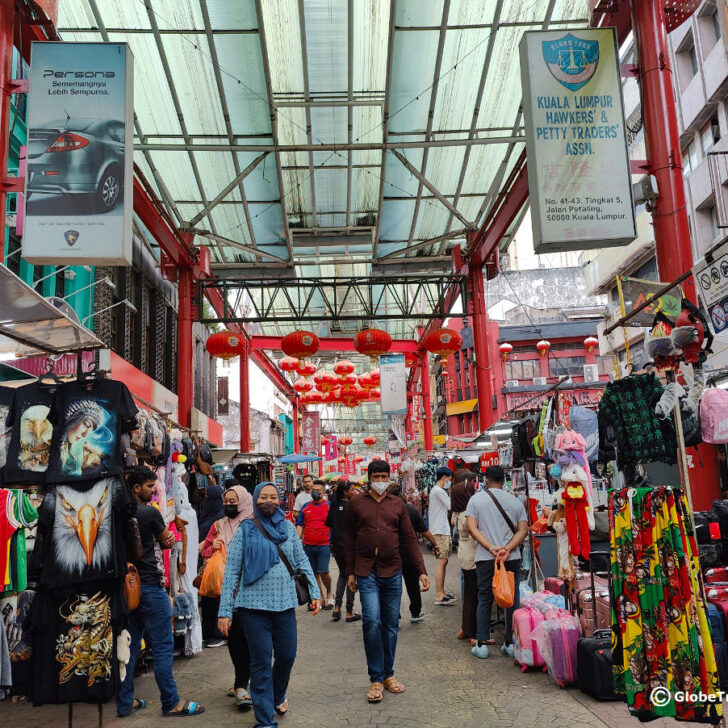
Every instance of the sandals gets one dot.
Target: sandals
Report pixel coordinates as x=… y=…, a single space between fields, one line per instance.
x=336 y=616
x=243 y=698
x=189 y=708
x=375 y=692
x=354 y=618
x=392 y=685
x=282 y=709
x=230 y=692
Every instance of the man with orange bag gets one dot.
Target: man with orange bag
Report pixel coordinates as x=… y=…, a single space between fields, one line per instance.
x=498 y=523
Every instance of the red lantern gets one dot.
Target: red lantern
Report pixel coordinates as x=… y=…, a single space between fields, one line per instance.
x=410 y=359
x=370 y=440
x=375 y=393
x=315 y=397
x=302 y=385
x=225 y=345
x=365 y=380
x=344 y=367
x=322 y=381
x=449 y=385
x=345 y=440
x=591 y=343
x=543 y=347
x=443 y=342
x=359 y=459
x=300 y=344
x=375 y=377
x=347 y=381
x=288 y=364
x=341 y=460
x=307 y=369
x=505 y=349
x=373 y=343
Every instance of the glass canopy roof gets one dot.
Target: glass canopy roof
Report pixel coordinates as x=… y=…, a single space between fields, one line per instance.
x=326 y=135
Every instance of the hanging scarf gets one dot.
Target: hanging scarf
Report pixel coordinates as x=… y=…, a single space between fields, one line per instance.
x=260 y=553
x=226 y=527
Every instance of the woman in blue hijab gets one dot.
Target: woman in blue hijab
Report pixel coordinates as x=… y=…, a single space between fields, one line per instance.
x=258 y=584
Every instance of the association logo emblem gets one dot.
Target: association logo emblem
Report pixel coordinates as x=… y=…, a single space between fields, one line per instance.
x=571 y=60
x=71 y=237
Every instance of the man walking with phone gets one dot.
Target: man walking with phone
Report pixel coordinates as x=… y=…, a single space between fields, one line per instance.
x=498 y=523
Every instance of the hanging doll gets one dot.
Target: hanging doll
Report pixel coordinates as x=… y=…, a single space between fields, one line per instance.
x=557 y=520
x=577 y=502
x=689 y=334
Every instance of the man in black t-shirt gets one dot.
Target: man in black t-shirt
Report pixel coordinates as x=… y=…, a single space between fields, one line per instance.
x=410 y=572
x=153 y=616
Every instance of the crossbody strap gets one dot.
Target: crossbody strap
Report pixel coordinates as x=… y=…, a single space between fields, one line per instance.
x=501 y=509
x=283 y=557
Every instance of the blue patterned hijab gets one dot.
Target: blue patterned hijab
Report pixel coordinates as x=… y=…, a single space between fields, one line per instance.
x=260 y=553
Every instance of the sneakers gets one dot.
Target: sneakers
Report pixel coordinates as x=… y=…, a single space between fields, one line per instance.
x=216 y=643
x=480 y=651
x=507 y=650
x=418 y=618
x=447 y=600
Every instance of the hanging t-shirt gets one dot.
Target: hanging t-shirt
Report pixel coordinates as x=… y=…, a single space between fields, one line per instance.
x=6 y=399
x=31 y=434
x=151 y=564
x=86 y=533
x=8 y=526
x=23 y=513
x=20 y=644
x=88 y=419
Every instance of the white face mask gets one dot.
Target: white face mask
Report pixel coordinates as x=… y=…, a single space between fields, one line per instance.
x=380 y=487
x=446 y=485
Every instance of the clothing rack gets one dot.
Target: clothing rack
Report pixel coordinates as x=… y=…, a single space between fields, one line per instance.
x=100 y=707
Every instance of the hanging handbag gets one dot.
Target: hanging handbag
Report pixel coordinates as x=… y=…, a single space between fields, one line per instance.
x=132 y=587
x=299 y=578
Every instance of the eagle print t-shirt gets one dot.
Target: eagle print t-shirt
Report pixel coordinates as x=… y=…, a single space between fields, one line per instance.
x=88 y=420
x=31 y=433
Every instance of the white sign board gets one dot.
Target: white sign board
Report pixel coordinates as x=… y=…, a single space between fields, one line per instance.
x=393 y=384
x=711 y=281
x=579 y=181
x=79 y=185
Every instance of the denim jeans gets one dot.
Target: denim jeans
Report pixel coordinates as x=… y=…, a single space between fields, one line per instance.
x=153 y=619
x=380 y=599
x=485 y=571
x=270 y=635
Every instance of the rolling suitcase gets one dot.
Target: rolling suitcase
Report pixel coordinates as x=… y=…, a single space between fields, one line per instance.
x=557 y=640
x=717 y=632
x=555 y=585
x=525 y=648
x=713 y=576
x=594 y=665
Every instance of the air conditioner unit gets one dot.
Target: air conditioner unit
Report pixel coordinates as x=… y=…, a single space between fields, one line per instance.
x=511 y=383
x=539 y=381
x=591 y=373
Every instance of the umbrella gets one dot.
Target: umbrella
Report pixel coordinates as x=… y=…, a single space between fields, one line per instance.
x=295 y=458
x=332 y=476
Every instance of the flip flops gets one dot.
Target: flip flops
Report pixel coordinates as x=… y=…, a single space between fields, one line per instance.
x=189 y=709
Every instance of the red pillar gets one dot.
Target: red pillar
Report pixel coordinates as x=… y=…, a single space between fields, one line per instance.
x=7 y=28
x=426 y=402
x=480 y=347
x=185 y=346
x=669 y=215
x=245 y=400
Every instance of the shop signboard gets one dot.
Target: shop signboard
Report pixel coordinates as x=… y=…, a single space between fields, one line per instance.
x=311 y=432
x=78 y=188
x=579 y=181
x=526 y=400
x=487 y=459
x=393 y=384
x=711 y=280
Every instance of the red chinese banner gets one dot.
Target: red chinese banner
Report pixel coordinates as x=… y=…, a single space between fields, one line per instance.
x=311 y=433
x=332 y=449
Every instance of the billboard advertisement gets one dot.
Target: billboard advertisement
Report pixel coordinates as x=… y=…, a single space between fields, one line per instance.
x=393 y=384
x=579 y=181
x=78 y=189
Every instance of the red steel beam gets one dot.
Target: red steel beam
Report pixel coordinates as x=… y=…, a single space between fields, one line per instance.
x=330 y=343
x=612 y=13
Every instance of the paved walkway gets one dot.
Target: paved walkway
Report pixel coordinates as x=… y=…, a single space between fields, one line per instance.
x=446 y=685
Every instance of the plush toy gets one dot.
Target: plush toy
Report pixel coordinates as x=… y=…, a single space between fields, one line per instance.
x=123 y=651
x=557 y=520
x=659 y=345
x=692 y=334
x=579 y=512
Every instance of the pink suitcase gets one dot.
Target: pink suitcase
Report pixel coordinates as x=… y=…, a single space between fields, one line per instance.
x=554 y=585
x=718 y=574
x=525 y=647
x=557 y=639
x=590 y=618
x=716 y=593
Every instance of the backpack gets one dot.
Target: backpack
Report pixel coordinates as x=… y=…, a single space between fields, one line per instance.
x=714 y=416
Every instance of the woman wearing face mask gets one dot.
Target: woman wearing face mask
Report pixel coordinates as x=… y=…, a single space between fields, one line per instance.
x=259 y=587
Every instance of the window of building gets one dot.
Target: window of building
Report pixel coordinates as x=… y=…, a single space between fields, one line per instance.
x=566 y=365
x=714 y=231
x=605 y=364
x=715 y=23
x=710 y=134
x=527 y=369
x=692 y=53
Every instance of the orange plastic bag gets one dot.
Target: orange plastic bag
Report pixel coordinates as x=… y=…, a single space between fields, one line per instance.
x=213 y=574
x=503 y=585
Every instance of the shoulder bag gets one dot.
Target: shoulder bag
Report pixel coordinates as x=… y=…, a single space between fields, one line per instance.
x=506 y=517
x=299 y=578
x=132 y=587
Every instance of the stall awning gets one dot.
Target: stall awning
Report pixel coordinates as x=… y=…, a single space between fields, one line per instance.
x=460 y=408
x=30 y=324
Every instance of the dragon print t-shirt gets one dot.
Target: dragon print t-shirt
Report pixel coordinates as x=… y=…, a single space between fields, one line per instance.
x=88 y=420
x=31 y=433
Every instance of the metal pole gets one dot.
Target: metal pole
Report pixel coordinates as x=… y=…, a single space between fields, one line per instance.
x=185 y=346
x=245 y=400
x=7 y=27
x=669 y=215
x=480 y=346
x=426 y=401
x=531 y=542
x=296 y=441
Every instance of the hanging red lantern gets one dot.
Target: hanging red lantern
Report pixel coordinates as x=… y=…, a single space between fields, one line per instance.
x=347 y=382
x=315 y=397
x=449 y=385
x=302 y=385
x=345 y=440
x=505 y=349
x=321 y=380
x=543 y=347
x=365 y=380
x=375 y=377
x=410 y=359
x=288 y=364
x=225 y=345
x=591 y=343
x=359 y=459
x=373 y=343
x=307 y=369
x=300 y=345
x=443 y=342
x=375 y=393
x=341 y=460
x=370 y=440
x=344 y=367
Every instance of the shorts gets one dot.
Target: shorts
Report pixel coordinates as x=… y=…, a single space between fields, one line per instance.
x=319 y=557
x=444 y=543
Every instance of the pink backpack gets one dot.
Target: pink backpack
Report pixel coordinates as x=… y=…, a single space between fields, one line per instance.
x=714 y=416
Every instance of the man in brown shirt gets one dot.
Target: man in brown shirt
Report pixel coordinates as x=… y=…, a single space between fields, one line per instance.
x=377 y=526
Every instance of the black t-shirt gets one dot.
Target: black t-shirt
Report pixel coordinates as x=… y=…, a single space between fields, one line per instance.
x=31 y=434
x=88 y=419
x=85 y=533
x=419 y=526
x=151 y=524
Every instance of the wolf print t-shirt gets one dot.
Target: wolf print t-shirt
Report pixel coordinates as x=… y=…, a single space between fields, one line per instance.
x=88 y=420
x=31 y=433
